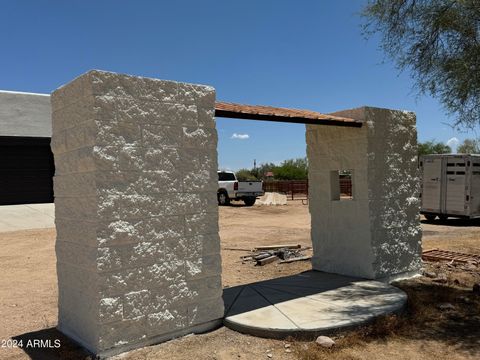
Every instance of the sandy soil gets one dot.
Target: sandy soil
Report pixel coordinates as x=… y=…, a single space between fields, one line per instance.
x=453 y=234
x=28 y=292
x=245 y=228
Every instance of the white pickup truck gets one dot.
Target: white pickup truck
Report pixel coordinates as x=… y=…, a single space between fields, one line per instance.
x=231 y=189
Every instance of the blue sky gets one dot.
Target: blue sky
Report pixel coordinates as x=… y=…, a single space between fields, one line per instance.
x=299 y=54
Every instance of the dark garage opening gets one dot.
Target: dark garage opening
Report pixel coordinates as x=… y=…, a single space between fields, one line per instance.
x=26 y=170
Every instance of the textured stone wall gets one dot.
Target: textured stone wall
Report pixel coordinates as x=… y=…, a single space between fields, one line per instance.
x=376 y=234
x=138 y=250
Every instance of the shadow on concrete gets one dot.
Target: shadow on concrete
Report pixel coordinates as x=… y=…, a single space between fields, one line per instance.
x=308 y=304
x=456 y=222
x=290 y=287
x=51 y=344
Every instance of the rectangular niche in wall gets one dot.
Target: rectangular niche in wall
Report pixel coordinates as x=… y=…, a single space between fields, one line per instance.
x=341 y=184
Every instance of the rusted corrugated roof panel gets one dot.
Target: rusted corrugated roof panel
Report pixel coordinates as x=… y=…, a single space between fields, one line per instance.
x=269 y=113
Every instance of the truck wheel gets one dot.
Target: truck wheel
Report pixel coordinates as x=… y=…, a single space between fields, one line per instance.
x=430 y=217
x=223 y=199
x=249 y=201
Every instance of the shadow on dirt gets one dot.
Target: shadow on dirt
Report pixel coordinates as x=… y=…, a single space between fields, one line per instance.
x=453 y=222
x=51 y=344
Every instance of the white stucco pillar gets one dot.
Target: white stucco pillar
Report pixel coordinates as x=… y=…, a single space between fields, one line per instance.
x=138 y=250
x=377 y=233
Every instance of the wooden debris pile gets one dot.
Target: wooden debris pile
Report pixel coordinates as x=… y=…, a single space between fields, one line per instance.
x=263 y=255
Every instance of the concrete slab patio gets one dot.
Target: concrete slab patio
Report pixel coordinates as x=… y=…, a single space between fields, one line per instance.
x=308 y=304
x=24 y=217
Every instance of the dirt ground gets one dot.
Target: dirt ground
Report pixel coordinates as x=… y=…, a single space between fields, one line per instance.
x=28 y=297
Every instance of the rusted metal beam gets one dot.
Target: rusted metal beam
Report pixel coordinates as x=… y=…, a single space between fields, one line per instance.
x=446 y=255
x=276 y=114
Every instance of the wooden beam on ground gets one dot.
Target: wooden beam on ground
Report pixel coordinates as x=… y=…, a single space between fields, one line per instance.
x=279 y=246
x=236 y=249
x=267 y=260
x=300 y=258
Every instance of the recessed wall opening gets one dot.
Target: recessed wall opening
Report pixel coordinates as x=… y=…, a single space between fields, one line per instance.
x=341 y=183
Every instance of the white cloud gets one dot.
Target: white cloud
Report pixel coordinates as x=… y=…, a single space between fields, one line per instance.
x=240 y=136
x=453 y=142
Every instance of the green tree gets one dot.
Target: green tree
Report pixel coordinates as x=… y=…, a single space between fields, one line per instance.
x=439 y=41
x=433 y=147
x=262 y=169
x=245 y=175
x=469 y=146
x=292 y=169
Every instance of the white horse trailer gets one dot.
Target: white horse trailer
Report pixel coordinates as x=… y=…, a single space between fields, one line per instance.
x=450 y=186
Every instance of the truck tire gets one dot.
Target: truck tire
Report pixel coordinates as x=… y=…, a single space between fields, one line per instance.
x=223 y=199
x=430 y=217
x=249 y=201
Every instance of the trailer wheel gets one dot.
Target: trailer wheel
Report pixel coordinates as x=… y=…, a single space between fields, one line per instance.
x=223 y=199
x=430 y=217
x=249 y=201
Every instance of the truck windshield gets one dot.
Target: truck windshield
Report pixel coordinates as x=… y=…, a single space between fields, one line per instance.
x=222 y=176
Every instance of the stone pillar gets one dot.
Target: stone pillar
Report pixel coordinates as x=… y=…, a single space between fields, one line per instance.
x=138 y=250
x=376 y=234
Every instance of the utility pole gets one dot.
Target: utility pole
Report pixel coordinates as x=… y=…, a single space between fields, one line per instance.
x=254 y=164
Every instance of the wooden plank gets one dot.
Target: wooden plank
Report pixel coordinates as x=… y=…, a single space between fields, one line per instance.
x=262 y=256
x=285 y=119
x=300 y=258
x=267 y=260
x=274 y=247
x=236 y=249
x=269 y=113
